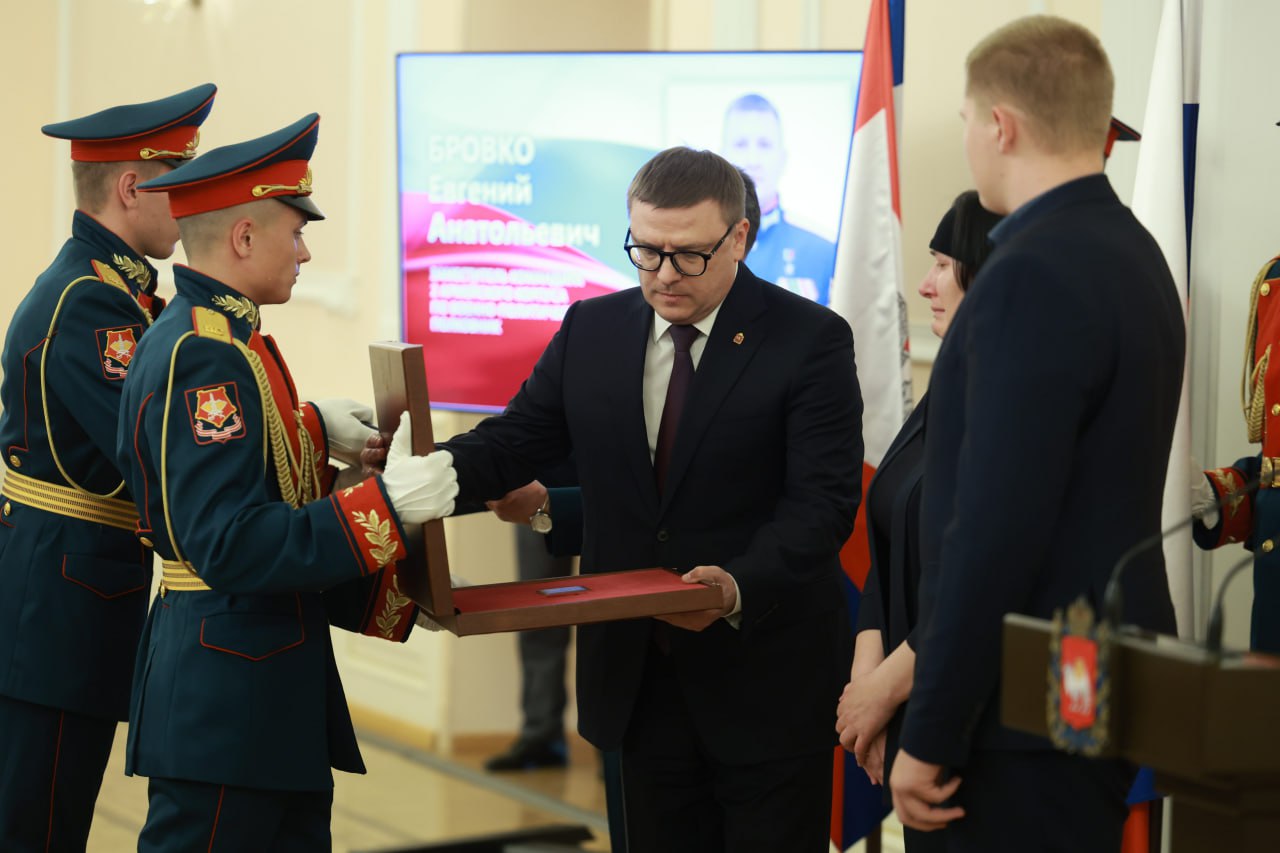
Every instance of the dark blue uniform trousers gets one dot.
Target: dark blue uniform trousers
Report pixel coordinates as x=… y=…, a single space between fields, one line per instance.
x=202 y=816
x=51 y=765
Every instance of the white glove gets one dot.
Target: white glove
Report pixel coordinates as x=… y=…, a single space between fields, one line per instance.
x=1204 y=500
x=421 y=488
x=345 y=422
x=426 y=622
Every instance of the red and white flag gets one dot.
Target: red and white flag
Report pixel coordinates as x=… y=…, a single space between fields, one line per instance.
x=867 y=290
x=1162 y=188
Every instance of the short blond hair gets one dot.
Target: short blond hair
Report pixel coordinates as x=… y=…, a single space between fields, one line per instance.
x=94 y=182
x=1054 y=72
x=200 y=232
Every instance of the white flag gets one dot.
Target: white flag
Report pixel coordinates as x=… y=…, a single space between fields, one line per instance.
x=1159 y=198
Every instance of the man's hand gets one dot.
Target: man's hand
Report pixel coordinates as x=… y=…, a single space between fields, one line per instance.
x=863 y=713
x=421 y=488
x=700 y=619
x=917 y=794
x=346 y=425
x=373 y=459
x=518 y=505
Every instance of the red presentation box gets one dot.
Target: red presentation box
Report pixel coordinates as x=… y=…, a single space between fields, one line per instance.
x=400 y=384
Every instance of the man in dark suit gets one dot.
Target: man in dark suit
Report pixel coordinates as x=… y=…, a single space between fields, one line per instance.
x=722 y=717
x=73 y=575
x=1051 y=415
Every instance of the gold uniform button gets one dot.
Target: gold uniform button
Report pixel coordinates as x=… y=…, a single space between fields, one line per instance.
x=7 y=508
x=1275 y=409
x=14 y=460
x=1268 y=546
x=146 y=543
x=1265 y=289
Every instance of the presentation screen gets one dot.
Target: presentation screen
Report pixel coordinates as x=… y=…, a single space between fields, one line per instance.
x=513 y=176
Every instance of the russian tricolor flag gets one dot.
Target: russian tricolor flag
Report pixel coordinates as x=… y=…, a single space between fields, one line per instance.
x=867 y=290
x=1162 y=200
x=1163 y=192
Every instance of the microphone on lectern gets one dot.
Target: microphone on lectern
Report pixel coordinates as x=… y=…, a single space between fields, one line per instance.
x=1113 y=597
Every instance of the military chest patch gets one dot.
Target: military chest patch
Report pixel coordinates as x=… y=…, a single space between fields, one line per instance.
x=116 y=347
x=215 y=413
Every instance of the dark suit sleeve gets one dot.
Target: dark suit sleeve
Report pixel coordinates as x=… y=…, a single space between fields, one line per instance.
x=565 y=538
x=530 y=436
x=1033 y=350
x=870 y=609
x=813 y=515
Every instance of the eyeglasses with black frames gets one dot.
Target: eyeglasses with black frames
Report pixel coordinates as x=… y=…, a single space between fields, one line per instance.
x=686 y=262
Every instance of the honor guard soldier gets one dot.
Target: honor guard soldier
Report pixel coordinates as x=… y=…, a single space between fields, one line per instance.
x=238 y=713
x=1231 y=509
x=73 y=576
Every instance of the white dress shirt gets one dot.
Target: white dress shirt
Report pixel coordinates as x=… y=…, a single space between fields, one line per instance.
x=660 y=354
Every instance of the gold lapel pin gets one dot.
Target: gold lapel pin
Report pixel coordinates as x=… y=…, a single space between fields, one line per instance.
x=739 y=338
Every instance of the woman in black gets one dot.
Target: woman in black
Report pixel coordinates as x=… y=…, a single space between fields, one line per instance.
x=871 y=710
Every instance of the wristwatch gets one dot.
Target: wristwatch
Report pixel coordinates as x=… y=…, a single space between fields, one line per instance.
x=540 y=521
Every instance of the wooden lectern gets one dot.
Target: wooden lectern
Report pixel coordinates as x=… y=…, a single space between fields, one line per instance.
x=400 y=384
x=1207 y=725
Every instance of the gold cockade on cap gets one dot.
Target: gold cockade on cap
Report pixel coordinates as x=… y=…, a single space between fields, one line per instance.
x=303 y=187
x=186 y=154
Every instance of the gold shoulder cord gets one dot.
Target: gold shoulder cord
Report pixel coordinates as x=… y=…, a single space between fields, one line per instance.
x=44 y=390
x=273 y=434
x=1253 y=377
x=286 y=465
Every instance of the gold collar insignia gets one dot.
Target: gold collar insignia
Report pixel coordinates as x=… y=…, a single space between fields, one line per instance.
x=238 y=306
x=136 y=270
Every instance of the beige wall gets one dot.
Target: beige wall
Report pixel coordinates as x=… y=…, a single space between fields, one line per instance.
x=277 y=59
x=29 y=64
x=564 y=25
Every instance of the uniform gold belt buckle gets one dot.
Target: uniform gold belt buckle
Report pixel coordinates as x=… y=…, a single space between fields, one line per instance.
x=1266 y=479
